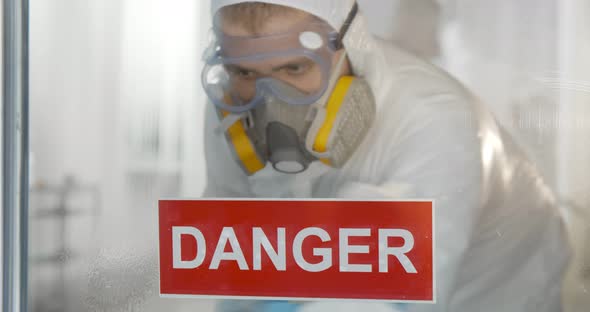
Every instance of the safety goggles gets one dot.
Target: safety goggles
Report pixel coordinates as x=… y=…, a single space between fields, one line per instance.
x=295 y=67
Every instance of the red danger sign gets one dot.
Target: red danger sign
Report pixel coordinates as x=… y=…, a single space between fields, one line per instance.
x=297 y=250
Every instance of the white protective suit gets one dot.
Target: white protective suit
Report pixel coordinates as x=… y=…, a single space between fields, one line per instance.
x=501 y=243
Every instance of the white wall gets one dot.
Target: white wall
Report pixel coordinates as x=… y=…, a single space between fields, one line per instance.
x=574 y=151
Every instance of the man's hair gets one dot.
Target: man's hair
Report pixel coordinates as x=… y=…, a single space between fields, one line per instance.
x=253 y=15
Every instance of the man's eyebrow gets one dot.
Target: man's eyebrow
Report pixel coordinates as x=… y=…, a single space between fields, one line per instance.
x=297 y=61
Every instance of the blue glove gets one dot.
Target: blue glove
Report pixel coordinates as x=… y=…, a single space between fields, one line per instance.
x=256 y=306
x=280 y=306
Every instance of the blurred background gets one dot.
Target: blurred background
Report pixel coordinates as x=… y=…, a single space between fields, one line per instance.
x=117 y=116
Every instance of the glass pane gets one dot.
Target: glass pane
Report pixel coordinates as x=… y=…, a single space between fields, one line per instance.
x=118 y=122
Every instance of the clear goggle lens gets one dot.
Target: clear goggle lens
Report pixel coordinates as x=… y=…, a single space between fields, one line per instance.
x=238 y=85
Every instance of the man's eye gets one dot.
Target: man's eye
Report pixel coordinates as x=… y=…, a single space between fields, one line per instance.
x=246 y=74
x=242 y=73
x=296 y=69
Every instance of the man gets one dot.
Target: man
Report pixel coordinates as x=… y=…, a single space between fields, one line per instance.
x=307 y=104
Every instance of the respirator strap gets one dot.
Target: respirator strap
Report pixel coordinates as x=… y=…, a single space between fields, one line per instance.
x=320 y=108
x=229 y=121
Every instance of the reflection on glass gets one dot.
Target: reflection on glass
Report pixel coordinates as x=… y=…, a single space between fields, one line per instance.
x=117 y=123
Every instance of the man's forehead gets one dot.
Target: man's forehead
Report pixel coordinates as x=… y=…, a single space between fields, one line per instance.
x=304 y=34
x=272 y=24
